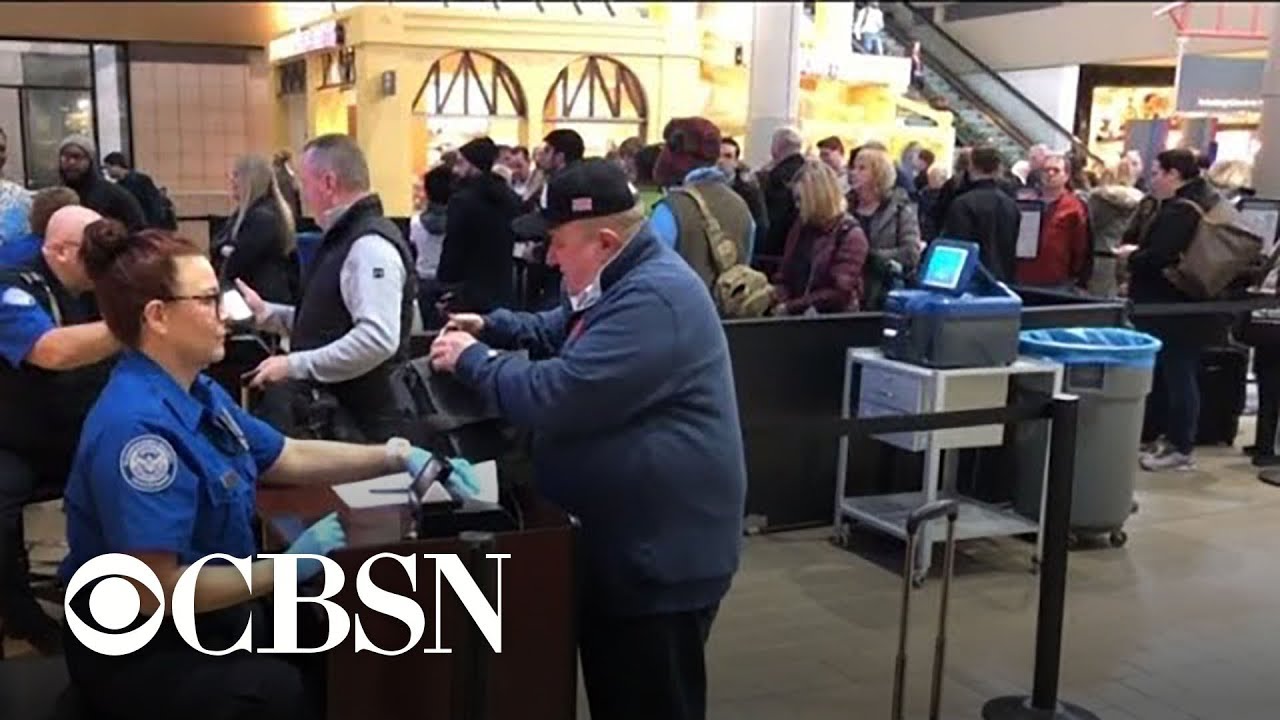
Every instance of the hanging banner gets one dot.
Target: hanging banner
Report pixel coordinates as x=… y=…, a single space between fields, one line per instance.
x=1212 y=84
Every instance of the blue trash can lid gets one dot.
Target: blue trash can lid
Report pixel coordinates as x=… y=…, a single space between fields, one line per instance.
x=1105 y=346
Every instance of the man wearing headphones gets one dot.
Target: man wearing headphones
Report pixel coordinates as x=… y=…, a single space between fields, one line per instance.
x=688 y=165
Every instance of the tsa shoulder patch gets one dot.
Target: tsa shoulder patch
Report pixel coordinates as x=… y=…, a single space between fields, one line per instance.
x=17 y=297
x=148 y=463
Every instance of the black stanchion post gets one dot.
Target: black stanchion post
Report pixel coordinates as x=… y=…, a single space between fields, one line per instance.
x=1043 y=703
x=476 y=660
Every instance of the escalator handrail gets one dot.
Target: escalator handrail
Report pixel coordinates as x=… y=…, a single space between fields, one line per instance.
x=961 y=87
x=1075 y=141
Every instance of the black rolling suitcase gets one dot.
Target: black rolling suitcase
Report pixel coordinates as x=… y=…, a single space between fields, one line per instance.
x=915 y=521
x=1222 y=377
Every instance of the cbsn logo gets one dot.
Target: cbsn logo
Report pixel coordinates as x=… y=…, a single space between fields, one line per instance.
x=114 y=603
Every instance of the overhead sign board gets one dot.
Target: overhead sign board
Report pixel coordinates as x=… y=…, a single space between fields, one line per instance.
x=321 y=36
x=1211 y=84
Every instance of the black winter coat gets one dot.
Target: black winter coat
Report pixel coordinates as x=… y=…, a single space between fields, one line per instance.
x=478 y=240
x=780 y=204
x=257 y=254
x=985 y=214
x=108 y=199
x=1169 y=235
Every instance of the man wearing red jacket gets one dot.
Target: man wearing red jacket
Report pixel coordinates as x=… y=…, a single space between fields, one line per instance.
x=1063 y=257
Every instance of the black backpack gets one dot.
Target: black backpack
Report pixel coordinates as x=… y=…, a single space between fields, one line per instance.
x=165 y=214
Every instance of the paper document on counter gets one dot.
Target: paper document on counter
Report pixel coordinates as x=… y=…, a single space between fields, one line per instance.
x=390 y=490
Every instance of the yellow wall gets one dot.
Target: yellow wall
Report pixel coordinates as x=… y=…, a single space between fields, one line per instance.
x=664 y=52
x=409 y=41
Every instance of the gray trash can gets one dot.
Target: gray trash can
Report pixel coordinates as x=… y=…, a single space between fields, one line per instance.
x=1110 y=369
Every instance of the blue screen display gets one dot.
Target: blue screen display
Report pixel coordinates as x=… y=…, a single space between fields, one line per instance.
x=945 y=267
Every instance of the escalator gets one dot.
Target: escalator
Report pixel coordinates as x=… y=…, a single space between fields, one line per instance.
x=987 y=108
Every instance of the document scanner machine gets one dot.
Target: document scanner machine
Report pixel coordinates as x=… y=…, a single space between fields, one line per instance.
x=957 y=316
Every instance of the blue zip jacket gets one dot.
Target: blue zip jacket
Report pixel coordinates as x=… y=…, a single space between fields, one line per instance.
x=20 y=251
x=635 y=425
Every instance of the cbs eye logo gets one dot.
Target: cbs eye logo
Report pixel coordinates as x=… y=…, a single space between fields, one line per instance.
x=114 y=604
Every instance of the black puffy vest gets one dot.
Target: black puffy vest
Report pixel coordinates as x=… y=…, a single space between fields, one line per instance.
x=42 y=410
x=322 y=317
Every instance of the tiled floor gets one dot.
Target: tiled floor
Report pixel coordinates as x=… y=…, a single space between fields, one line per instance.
x=1184 y=622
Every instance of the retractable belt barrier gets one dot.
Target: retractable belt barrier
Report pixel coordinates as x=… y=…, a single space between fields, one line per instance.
x=1063 y=412
x=1205 y=307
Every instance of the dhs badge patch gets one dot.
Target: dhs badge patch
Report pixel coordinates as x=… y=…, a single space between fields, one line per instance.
x=148 y=463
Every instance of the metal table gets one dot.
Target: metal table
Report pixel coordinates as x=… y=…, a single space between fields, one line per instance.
x=891 y=387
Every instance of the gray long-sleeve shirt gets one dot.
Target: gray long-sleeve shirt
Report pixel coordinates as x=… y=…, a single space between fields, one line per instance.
x=372 y=283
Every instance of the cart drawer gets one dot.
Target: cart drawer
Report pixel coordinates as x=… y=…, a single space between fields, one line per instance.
x=898 y=391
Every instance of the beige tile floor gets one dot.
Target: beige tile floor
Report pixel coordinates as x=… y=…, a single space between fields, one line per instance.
x=1183 y=622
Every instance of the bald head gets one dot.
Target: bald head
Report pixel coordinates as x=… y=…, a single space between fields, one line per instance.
x=66 y=226
x=62 y=241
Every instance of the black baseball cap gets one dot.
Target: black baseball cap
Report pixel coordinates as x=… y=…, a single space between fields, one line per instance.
x=591 y=188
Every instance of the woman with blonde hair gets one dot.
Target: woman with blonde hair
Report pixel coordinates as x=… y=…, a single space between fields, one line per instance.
x=888 y=219
x=821 y=269
x=1112 y=208
x=1232 y=179
x=259 y=245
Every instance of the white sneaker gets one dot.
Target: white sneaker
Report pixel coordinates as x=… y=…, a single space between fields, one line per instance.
x=1167 y=460
x=1155 y=447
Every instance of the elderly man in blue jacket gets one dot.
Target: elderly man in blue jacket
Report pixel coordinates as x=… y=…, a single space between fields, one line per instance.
x=628 y=391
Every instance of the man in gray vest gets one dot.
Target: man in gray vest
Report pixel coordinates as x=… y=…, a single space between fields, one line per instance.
x=687 y=165
x=350 y=334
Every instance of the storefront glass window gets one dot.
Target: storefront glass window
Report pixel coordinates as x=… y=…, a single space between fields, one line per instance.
x=51 y=90
x=50 y=116
x=51 y=69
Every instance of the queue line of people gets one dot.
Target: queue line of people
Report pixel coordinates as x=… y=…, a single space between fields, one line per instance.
x=166 y=465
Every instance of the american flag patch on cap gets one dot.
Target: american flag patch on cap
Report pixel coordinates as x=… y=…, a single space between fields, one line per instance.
x=582 y=204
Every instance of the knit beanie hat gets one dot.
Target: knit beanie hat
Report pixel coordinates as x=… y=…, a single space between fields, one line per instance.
x=481 y=152
x=82 y=142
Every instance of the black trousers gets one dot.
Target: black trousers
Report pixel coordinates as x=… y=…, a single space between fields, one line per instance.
x=646 y=667
x=19 y=478
x=170 y=679
x=1266 y=367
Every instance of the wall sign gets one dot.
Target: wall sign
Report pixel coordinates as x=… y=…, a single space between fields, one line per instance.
x=1211 y=84
x=321 y=36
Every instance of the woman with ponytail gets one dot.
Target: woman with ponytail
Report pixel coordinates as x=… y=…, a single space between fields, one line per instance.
x=166 y=471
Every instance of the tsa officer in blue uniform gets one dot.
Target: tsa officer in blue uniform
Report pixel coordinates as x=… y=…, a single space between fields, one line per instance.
x=54 y=360
x=166 y=471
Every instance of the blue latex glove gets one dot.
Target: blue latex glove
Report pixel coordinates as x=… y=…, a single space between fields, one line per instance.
x=462 y=481
x=415 y=461
x=322 y=538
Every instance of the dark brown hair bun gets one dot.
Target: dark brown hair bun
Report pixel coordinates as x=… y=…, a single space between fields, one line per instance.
x=104 y=241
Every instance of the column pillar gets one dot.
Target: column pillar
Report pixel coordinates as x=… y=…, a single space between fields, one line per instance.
x=775 y=75
x=384 y=126
x=1266 y=167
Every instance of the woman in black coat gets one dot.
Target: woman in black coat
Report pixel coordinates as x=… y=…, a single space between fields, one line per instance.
x=259 y=245
x=1173 y=407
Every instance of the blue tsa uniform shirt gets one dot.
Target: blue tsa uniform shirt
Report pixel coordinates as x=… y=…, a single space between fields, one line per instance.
x=160 y=469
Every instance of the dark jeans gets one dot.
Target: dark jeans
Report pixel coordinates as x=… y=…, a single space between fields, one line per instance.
x=1173 y=407
x=646 y=667
x=1266 y=367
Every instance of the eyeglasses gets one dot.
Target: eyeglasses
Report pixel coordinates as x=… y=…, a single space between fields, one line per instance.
x=212 y=300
